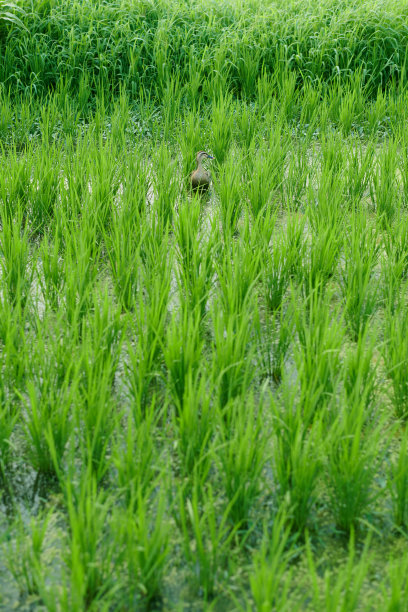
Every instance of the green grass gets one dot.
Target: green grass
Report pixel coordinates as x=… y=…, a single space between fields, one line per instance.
x=203 y=399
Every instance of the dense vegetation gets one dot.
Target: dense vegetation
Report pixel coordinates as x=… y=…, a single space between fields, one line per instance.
x=141 y=43
x=203 y=398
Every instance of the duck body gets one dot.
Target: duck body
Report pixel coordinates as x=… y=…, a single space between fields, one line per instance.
x=201 y=178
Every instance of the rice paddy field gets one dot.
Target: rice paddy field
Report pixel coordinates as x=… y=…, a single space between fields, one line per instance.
x=203 y=398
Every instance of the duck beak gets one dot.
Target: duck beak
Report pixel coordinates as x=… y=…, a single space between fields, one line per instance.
x=210 y=157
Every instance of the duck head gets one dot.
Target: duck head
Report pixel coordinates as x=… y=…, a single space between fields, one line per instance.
x=201 y=155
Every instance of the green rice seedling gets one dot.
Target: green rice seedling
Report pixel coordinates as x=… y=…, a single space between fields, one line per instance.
x=24 y=119
x=394 y=263
x=195 y=424
x=74 y=188
x=278 y=141
x=62 y=345
x=47 y=422
x=403 y=169
x=122 y=247
x=246 y=124
x=16 y=184
x=24 y=554
x=276 y=272
x=395 y=591
x=104 y=333
x=248 y=59
x=357 y=282
x=383 y=187
x=395 y=241
x=9 y=417
x=227 y=184
x=222 y=126
x=136 y=183
x=52 y=278
x=352 y=102
x=161 y=54
x=44 y=188
x=376 y=113
x=98 y=362
x=195 y=252
x=182 y=353
x=171 y=104
x=341 y=588
x=165 y=183
x=143 y=365
x=145 y=355
x=8 y=201
x=92 y=551
x=326 y=202
x=157 y=254
x=144 y=540
x=259 y=232
x=393 y=270
x=322 y=120
x=238 y=273
x=265 y=88
x=359 y=168
x=84 y=92
x=311 y=96
x=16 y=264
x=194 y=81
x=99 y=118
x=347 y=112
x=360 y=369
x=48 y=121
x=398 y=484
x=120 y=121
x=217 y=84
x=270 y=576
x=353 y=450
x=81 y=261
x=333 y=100
x=186 y=229
x=191 y=140
x=320 y=263
x=97 y=421
x=241 y=458
x=147 y=113
x=70 y=116
x=288 y=95
x=6 y=114
x=135 y=456
x=295 y=241
x=13 y=343
x=264 y=172
x=298 y=173
x=296 y=461
x=274 y=335
x=317 y=356
x=207 y=536
x=104 y=183
x=232 y=368
x=62 y=90
x=395 y=353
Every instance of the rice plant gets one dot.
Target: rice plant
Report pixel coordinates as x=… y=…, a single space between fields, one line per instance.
x=398 y=483
x=271 y=576
x=353 y=449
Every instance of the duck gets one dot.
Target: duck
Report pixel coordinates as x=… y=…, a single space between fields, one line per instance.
x=200 y=179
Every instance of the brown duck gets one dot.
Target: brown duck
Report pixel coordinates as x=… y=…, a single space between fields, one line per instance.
x=201 y=178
